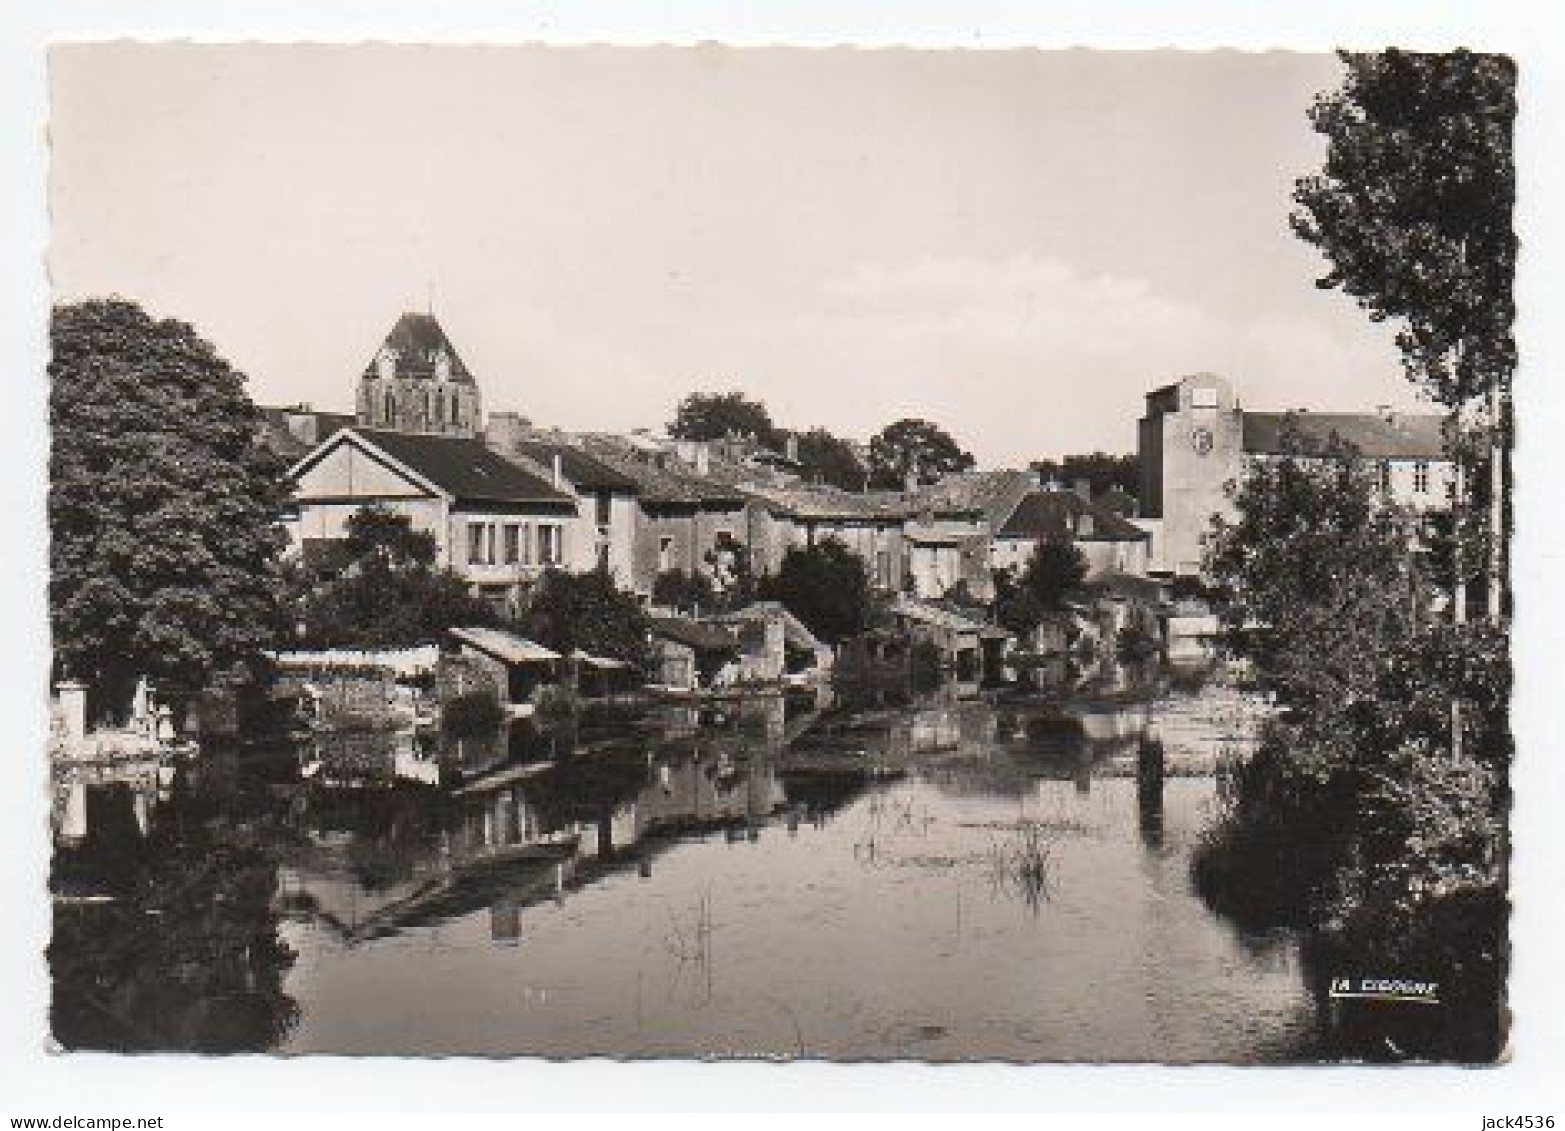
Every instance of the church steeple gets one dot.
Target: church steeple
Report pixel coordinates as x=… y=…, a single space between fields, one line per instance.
x=417 y=382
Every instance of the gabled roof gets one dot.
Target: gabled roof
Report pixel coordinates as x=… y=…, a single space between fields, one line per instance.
x=458 y=466
x=584 y=470
x=416 y=340
x=1375 y=436
x=1056 y=514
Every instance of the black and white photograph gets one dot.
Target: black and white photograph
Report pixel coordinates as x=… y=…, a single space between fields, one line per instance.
x=778 y=553
x=675 y=553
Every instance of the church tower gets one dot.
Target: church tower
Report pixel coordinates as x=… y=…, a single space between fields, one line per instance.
x=416 y=382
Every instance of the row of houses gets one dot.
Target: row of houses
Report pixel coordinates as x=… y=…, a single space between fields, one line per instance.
x=506 y=502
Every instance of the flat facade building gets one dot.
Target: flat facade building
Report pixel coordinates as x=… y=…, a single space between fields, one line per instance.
x=1195 y=442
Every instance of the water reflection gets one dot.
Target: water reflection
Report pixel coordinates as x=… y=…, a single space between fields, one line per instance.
x=862 y=876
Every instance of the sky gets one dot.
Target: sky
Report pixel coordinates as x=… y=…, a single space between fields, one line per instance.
x=1015 y=244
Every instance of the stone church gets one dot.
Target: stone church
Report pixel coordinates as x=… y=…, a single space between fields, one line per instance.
x=417 y=382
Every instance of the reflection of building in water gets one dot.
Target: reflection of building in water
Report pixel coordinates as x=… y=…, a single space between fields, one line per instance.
x=523 y=832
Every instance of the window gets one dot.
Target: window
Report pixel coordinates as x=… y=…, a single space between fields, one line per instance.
x=475 y=542
x=440 y=406
x=665 y=554
x=1421 y=478
x=527 y=543
x=513 y=543
x=605 y=506
x=1385 y=477
x=603 y=557
x=548 y=545
x=883 y=568
x=1203 y=397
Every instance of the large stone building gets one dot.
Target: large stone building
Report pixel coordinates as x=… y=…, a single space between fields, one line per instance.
x=416 y=382
x=1195 y=441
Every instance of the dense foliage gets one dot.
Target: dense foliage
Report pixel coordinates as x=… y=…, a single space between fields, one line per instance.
x=683 y=592
x=585 y=611
x=826 y=586
x=1359 y=820
x=713 y=416
x=916 y=449
x=1413 y=210
x=380 y=587
x=829 y=459
x=163 y=506
x=1052 y=574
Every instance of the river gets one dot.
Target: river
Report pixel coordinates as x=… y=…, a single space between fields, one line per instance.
x=851 y=877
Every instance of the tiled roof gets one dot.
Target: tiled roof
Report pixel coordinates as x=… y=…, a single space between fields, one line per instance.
x=661 y=484
x=465 y=468
x=505 y=646
x=1056 y=514
x=418 y=339
x=585 y=471
x=1392 y=436
x=828 y=503
x=282 y=439
x=995 y=493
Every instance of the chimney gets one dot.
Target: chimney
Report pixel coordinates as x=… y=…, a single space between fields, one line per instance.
x=910 y=482
x=1386 y=413
x=557 y=472
x=1083 y=489
x=504 y=431
x=791 y=447
x=703 y=458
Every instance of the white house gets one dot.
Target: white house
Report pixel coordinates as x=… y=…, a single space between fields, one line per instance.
x=496 y=524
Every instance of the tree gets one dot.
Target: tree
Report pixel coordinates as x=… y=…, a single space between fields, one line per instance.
x=1356 y=821
x=163 y=505
x=1017 y=608
x=1102 y=470
x=586 y=611
x=1319 y=573
x=916 y=448
x=379 y=587
x=676 y=589
x=712 y=416
x=1413 y=211
x=1055 y=571
x=826 y=586
x=830 y=459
